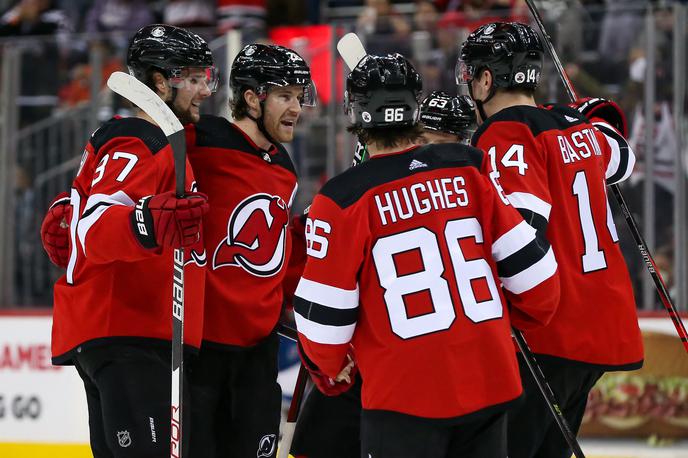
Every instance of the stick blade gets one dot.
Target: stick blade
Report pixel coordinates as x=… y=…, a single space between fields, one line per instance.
x=351 y=49
x=143 y=97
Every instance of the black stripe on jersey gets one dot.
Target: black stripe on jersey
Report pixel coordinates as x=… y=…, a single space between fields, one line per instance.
x=538 y=120
x=94 y=208
x=535 y=220
x=322 y=314
x=623 y=153
x=523 y=258
x=151 y=135
x=217 y=132
x=345 y=189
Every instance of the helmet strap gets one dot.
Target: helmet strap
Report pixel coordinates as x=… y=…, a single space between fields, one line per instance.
x=259 y=122
x=480 y=103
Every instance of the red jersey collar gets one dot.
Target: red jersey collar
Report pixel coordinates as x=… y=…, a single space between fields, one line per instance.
x=410 y=148
x=271 y=150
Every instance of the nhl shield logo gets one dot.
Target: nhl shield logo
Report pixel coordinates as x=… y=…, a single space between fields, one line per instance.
x=123 y=438
x=266 y=446
x=256 y=236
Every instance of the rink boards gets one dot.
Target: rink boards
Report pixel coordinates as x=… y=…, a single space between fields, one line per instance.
x=43 y=408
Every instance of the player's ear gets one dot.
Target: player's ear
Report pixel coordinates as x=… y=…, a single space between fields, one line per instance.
x=161 y=85
x=253 y=102
x=485 y=79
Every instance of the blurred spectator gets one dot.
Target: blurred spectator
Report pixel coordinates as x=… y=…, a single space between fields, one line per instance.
x=286 y=12
x=622 y=21
x=33 y=17
x=386 y=30
x=118 y=15
x=189 y=13
x=246 y=15
x=26 y=229
x=474 y=13
x=78 y=89
x=426 y=16
x=36 y=18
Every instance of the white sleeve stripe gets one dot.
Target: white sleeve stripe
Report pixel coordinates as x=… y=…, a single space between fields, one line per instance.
x=320 y=293
x=615 y=159
x=619 y=146
x=63 y=201
x=322 y=333
x=530 y=202
x=533 y=275
x=512 y=241
x=75 y=201
x=104 y=201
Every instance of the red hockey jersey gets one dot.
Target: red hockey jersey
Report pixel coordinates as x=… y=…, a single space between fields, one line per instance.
x=553 y=165
x=114 y=288
x=405 y=255
x=246 y=234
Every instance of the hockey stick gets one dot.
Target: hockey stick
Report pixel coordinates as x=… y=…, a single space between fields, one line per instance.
x=293 y=414
x=547 y=393
x=630 y=221
x=287 y=332
x=143 y=97
x=351 y=49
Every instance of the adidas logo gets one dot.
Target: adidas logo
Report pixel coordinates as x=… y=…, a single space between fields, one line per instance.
x=570 y=119
x=416 y=164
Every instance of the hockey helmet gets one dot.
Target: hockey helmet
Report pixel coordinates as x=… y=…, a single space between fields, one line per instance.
x=383 y=91
x=169 y=49
x=511 y=51
x=258 y=66
x=451 y=114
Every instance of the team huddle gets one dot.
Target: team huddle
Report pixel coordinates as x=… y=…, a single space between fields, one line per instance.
x=462 y=218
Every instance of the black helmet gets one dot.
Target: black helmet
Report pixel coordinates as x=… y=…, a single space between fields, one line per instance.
x=259 y=66
x=511 y=51
x=383 y=91
x=169 y=49
x=451 y=114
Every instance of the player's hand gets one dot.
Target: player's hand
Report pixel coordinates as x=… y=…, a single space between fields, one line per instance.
x=55 y=230
x=163 y=220
x=603 y=109
x=328 y=386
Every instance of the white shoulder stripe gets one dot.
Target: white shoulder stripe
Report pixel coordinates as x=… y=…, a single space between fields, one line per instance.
x=329 y=296
x=512 y=241
x=322 y=333
x=533 y=275
x=85 y=224
x=530 y=202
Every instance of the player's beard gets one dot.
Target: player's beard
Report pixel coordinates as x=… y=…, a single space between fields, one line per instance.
x=184 y=116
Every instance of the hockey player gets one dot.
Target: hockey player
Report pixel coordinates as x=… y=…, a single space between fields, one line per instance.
x=404 y=252
x=251 y=183
x=553 y=165
x=447 y=119
x=111 y=316
x=331 y=414
x=236 y=399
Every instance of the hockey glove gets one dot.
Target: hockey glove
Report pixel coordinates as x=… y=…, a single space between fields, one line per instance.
x=55 y=230
x=326 y=385
x=602 y=109
x=163 y=220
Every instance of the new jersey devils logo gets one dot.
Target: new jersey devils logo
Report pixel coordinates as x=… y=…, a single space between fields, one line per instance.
x=256 y=236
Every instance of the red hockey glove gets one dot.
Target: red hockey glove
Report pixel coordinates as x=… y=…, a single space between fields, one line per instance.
x=326 y=385
x=164 y=220
x=55 y=230
x=603 y=109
